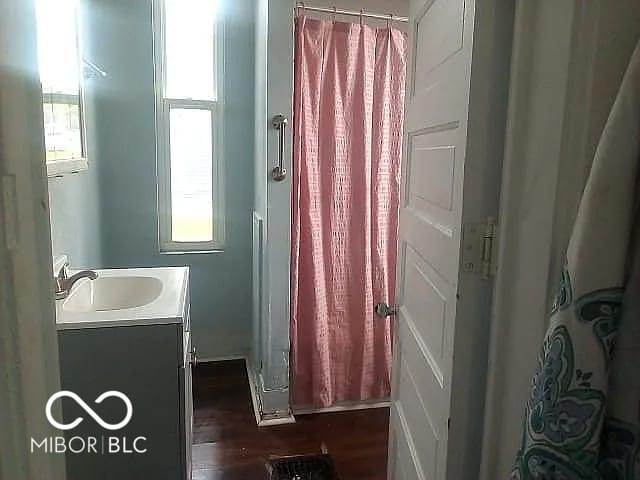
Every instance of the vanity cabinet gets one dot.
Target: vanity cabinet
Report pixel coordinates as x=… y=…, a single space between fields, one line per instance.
x=151 y=365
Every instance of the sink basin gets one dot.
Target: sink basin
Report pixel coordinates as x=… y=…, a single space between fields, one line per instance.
x=122 y=297
x=112 y=293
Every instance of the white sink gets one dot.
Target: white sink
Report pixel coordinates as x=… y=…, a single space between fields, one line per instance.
x=124 y=297
x=112 y=293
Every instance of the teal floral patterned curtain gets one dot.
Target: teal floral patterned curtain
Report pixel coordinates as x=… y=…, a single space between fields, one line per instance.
x=582 y=420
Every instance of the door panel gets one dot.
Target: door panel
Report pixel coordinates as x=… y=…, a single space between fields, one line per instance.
x=420 y=400
x=429 y=385
x=433 y=170
x=449 y=177
x=407 y=461
x=426 y=291
x=427 y=438
x=431 y=161
x=439 y=30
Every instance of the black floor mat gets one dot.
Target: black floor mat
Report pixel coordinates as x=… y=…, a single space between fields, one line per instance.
x=307 y=467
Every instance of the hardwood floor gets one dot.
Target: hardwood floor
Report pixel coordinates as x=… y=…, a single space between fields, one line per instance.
x=228 y=445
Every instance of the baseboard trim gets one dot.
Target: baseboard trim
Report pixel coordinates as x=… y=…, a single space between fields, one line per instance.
x=342 y=407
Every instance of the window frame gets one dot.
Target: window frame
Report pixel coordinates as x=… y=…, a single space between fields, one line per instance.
x=163 y=106
x=63 y=166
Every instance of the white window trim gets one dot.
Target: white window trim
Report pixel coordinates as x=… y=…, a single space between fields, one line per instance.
x=64 y=166
x=163 y=160
x=58 y=168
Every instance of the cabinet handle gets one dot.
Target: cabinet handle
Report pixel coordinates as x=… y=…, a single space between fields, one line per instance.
x=194 y=356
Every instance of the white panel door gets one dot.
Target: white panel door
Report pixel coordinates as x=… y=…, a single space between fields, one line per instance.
x=450 y=177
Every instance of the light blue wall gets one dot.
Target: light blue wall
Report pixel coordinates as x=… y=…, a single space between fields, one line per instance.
x=121 y=43
x=74 y=201
x=75 y=218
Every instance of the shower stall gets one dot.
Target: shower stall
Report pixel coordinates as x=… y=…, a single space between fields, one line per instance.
x=329 y=109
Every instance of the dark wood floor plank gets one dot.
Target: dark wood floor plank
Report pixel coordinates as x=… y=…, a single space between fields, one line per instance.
x=229 y=446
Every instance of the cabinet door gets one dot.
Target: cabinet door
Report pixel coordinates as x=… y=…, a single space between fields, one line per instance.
x=187 y=388
x=145 y=364
x=189 y=411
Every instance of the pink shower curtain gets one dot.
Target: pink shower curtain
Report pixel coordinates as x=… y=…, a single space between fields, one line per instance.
x=348 y=117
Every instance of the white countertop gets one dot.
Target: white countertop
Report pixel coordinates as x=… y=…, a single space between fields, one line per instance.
x=169 y=307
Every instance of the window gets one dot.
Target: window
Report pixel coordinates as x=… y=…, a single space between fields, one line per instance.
x=187 y=49
x=59 y=65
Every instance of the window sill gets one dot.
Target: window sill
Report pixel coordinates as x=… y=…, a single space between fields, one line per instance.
x=191 y=252
x=58 y=168
x=194 y=248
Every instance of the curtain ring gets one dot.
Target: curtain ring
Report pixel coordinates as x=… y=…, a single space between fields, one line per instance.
x=389 y=20
x=361 y=16
x=300 y=5
x=333 y=15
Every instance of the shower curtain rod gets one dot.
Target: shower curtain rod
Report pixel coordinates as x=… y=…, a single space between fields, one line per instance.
x=353 y=13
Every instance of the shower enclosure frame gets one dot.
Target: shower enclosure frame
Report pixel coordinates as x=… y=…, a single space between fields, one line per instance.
x=268 y=363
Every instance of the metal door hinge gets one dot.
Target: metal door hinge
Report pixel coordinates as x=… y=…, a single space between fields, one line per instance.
x=480 y=248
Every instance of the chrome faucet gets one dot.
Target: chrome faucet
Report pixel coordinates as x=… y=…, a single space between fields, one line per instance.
x=64 y=283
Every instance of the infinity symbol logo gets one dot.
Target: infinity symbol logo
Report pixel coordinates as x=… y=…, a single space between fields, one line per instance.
x=89 y=410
